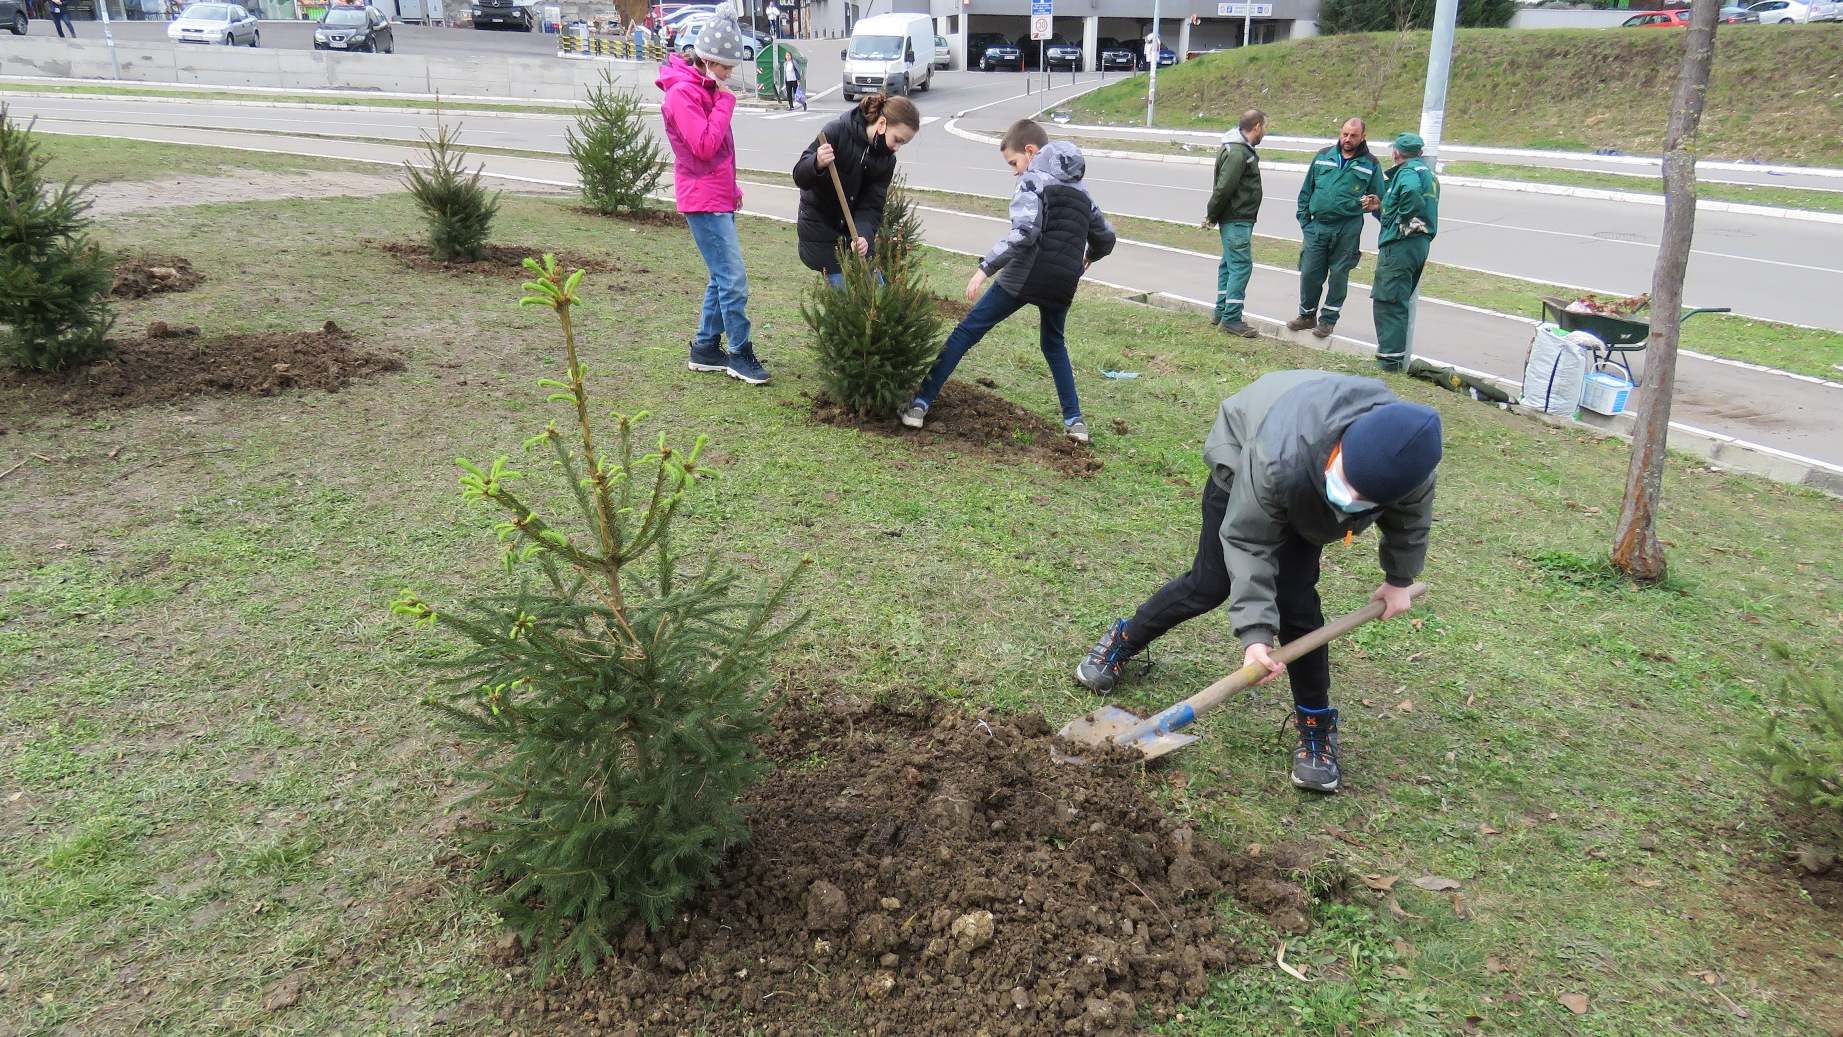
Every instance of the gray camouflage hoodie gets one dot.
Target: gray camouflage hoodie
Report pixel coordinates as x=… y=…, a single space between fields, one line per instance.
x=1268 y=449
x=1056 y=170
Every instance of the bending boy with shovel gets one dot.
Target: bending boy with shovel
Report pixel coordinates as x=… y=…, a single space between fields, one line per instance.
x=1298 y=459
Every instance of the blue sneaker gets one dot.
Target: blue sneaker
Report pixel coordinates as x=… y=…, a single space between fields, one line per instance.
x=1100 y=671
x=743 y=365
x=708 y=358
x=1315 y=760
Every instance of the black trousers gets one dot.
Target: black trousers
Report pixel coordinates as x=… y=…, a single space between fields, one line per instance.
x=790 y=86
x=1206 y=586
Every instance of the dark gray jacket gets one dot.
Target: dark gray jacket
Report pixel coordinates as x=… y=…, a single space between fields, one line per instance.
x=1268 y=449
x=1055 y=229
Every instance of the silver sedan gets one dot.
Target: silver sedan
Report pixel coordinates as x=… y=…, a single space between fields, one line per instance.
x=228 y=24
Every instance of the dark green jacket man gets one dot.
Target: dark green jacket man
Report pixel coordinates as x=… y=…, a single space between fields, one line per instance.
x=1331 y=225
x=1233 y=206
x=1410 y=215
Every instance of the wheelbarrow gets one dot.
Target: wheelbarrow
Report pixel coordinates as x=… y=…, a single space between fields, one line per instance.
x=1619 y=336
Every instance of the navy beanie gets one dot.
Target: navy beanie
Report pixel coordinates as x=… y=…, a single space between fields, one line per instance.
x=1390 y=451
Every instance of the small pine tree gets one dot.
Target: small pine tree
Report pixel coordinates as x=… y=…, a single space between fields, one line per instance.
x=1808 y=769
x=459 y=208
x=54 y=281
x=876 y=333
x=612 y=701
x=901 y=229
x=617 y=157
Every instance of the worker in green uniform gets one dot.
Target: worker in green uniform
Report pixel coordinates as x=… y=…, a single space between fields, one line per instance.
x=1233 y=205
x=1343 y=182
x=1409 y=213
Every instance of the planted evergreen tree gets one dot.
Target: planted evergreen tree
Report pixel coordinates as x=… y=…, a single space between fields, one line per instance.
x=617 y=158
x=54 y=281
x=1807 y=767
x=611 y=701
x=459 y=208
x=901 y=229
x=875 y=335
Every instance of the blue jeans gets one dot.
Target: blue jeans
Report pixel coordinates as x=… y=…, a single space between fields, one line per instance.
x=726 y=297
x=992 y=308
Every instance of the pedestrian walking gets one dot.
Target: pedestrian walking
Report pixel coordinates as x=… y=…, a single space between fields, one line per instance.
x=790 y=77
x=60 y=18
x=861 y=144
x=697 y=110
x=1233 y=206
x=1343 y=182
x=1409 y=212
x=1056 y=231
x=1298 y=460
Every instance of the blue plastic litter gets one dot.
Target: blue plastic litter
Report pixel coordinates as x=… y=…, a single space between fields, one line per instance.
x=1121 y=374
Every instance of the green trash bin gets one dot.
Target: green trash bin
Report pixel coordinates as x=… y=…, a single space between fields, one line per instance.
x=768 y=68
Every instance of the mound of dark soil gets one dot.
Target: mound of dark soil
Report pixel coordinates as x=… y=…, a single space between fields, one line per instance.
x=975 y=420
x=921 y=871
x=951 y=309
x=646 y=217
x=139 y=276
x=170 y=364
x=500 y=260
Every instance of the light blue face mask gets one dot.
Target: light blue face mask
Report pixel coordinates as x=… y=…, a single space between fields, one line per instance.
x=1343 y=496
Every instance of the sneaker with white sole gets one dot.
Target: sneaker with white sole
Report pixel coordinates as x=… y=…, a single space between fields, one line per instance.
x=914 y=415
x=1315 y=759
x=708 y=358
x=743 y=365
x=1076 y=430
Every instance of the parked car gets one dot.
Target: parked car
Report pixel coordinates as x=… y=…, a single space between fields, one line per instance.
x=1781 y=12
x=1657 y=20
x=13 y=16
x=1001 y=54
x=943 y=54
x=1735 y=15
x=1030 y=52
x=1166 y=57
x=228 y=24
x=515 y=14
x=977 y=43
x=355 y=28
x=1060 y=53
x=1114 y=54
x=1825 y=11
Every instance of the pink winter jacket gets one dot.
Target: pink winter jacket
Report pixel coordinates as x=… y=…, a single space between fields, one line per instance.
x=697 y=116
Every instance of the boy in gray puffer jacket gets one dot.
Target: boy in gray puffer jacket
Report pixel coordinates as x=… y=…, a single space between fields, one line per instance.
x=1056 y=231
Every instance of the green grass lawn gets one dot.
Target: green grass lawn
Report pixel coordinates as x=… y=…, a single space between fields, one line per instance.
x=1788 y=348
x=1571 y=89
x=215 y=770
x=107 y=160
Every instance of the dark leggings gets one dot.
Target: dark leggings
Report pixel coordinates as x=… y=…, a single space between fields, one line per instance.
x=1206 y=586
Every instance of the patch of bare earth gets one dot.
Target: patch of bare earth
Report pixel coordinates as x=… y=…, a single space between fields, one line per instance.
x=937 y=873
x=171 y=364
x=973 y=419
x=139 y=276
x=130 y=196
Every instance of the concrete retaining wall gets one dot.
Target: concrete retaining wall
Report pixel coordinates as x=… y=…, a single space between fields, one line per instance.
x=483 y=76
x=1548 y=18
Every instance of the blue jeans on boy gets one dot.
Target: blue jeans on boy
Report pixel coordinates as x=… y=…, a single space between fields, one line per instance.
x=992 y=308
x=726 y=297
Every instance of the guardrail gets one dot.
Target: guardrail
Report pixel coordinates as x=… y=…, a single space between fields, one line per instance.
x=620 y=48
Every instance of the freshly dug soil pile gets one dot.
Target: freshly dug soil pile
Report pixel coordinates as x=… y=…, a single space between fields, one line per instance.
x=644 y=218
x=951 y=309
x=137 y=277
x=975 y=420
x=173 y=363
x=499 y=260
x=915 y=870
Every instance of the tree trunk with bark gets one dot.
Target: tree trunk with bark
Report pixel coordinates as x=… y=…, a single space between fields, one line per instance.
x=1636 y=549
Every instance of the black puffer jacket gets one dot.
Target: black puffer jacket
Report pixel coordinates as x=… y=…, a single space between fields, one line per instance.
x=864 y=168
x=1056 y=230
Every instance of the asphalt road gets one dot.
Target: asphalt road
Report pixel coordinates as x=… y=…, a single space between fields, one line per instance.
x=411 y=39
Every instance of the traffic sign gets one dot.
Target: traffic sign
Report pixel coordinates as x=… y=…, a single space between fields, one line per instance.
x=1040 y=27
x=1244 y=10
x=1047 y=7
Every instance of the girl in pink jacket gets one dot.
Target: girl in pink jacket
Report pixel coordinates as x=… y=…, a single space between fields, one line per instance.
x=697 y=110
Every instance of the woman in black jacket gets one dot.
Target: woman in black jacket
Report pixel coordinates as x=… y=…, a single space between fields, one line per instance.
x=862 y=143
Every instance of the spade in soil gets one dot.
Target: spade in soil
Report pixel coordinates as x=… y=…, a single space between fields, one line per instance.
x=1111 y=729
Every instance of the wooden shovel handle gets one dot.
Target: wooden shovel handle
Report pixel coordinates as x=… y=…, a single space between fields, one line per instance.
x=838 y=185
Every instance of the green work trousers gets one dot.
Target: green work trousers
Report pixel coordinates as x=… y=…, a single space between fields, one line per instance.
x=1398 y=271
x=1232 y=273
x=1329 y=254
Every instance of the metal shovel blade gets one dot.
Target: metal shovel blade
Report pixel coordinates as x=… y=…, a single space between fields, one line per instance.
x=1104 y=726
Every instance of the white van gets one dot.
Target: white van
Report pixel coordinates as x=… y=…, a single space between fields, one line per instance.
x=890 y=53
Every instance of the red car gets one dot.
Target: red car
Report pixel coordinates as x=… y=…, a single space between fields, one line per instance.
x=1657 y=20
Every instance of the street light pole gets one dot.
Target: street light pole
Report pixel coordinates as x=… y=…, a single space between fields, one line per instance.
x=1433 y=114
x=108 y=37
x=1152 y=50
